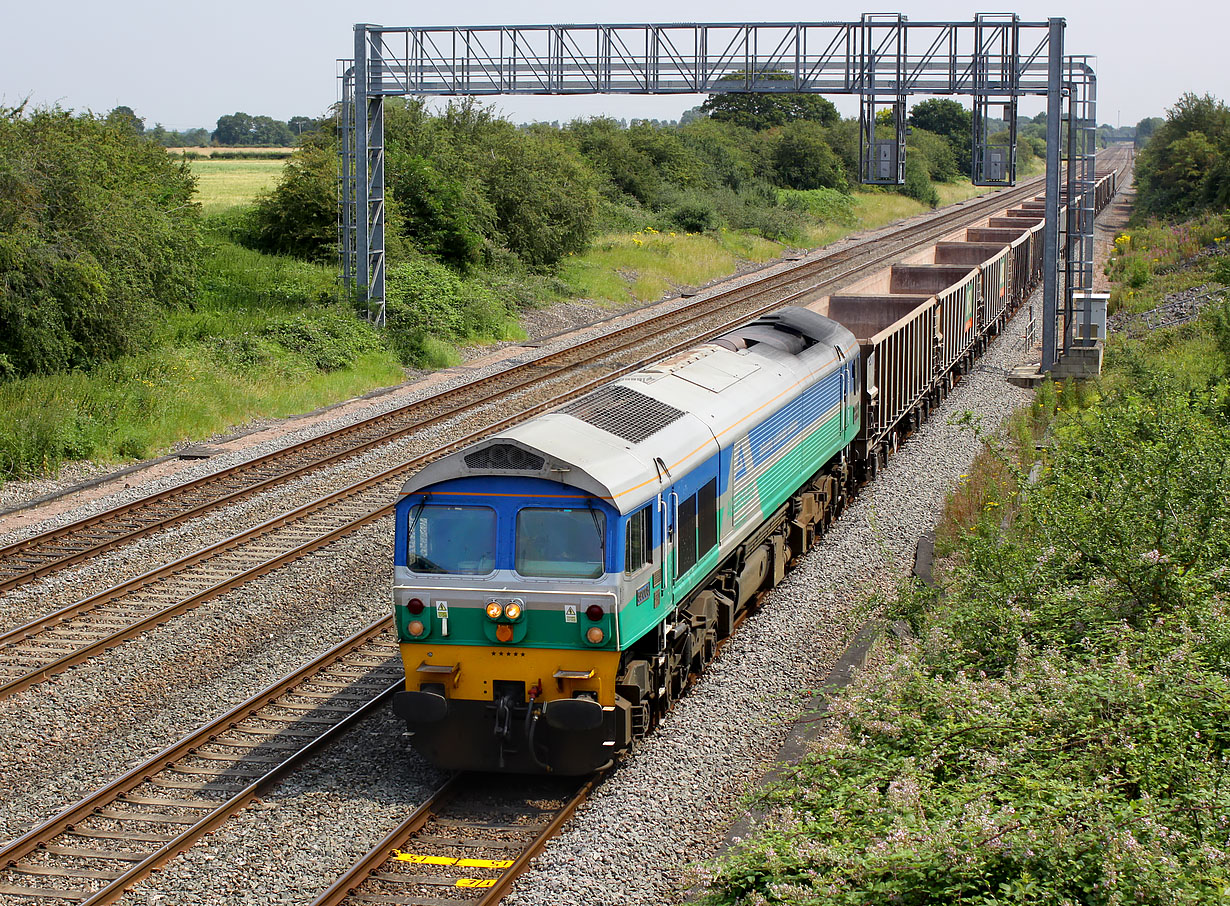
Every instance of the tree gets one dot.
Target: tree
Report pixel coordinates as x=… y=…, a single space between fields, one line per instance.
x=802 y=159
x=942 y=116
x=544 y=197
x=950 y=119
x=233 y=129
x=298 y=125
x=270 y=132
x=765 y=110
x=609 y=148
x=124 y=118
x=1145 y=129
x=1176 y=172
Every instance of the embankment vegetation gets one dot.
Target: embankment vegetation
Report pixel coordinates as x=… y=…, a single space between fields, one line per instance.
x=130 y=321
x=150 y=299
x=1057 y=729
x=595 y=208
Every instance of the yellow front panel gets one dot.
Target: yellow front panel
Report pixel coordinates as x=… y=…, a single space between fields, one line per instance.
x=478 y=666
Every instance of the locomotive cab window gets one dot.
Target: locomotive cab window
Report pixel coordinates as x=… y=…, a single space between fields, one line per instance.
x=451 y=539
x=638 y=543
x=561 y=544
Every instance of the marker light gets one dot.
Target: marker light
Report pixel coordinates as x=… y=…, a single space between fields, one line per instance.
x=594 y=612
x=595 y=635
x=416 y=627
x=512 y=611
x=415 y=606
x=504 y=632
x=494 y=610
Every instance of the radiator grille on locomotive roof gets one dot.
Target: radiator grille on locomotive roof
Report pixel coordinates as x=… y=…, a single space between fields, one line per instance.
x=505 y=457
x=621 y=411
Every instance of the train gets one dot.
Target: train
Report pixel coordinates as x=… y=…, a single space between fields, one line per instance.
x=558 y=584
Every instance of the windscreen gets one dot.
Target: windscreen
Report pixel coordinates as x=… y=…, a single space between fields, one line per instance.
x=452 y=539
x=560 y=544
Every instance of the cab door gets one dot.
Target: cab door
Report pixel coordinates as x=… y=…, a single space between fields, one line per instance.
x=665 y=544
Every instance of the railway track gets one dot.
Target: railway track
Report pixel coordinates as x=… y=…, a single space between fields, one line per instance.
x=32 y=653
x=96 y=849
x=45 y=553
x=464 y=846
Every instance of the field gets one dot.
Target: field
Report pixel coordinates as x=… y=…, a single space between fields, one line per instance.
x=232 y=152
x=643 y=266
x=223 y=184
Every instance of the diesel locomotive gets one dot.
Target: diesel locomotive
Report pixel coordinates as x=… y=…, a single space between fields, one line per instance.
x=556 y=585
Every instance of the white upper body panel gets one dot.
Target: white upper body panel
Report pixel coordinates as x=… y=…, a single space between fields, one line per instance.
x=629 y=439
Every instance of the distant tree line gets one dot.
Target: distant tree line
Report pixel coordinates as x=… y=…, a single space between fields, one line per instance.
x=237 y=129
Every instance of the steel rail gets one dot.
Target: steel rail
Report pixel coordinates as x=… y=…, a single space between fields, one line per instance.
x=54 y=541
x=22 y=859
x=33 y=629
x=382 y=861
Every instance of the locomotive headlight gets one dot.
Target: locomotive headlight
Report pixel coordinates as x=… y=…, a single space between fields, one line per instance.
x=495 y=610
x=416 y=627
x=512 y=611
x=504 y=633
x=595 y=635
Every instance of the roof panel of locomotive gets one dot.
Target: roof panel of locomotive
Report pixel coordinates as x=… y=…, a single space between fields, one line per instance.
x=718 y=394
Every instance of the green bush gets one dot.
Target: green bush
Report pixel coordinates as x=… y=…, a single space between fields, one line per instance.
x=829 y=205
x=328 y=340
x=429 y=304
x=918 y=184
x=98 y=237
x=694 y=215
x=299 y=217
x=802 y=158
x=936 y=152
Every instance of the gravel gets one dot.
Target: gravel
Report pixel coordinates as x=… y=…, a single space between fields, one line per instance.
x=63 y=738
x=1176 y=308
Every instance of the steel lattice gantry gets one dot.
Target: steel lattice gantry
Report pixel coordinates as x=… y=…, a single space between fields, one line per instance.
x=995 y=59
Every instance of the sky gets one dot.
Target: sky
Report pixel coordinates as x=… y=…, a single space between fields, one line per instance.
x=184 y=65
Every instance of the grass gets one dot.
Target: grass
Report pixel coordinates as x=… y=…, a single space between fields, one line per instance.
x=140 y=405
x=226 y=184
x=643 y=266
